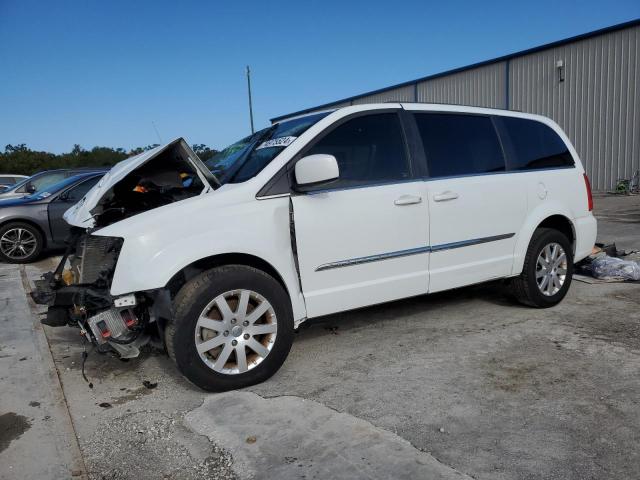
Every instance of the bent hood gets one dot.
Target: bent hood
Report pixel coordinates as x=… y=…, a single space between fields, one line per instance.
x=84 y=213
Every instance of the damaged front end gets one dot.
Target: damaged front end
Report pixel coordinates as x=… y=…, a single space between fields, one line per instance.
x=77 y=294
x=78 y=291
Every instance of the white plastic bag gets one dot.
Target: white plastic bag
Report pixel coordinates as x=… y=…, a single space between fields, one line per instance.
x=610 y=268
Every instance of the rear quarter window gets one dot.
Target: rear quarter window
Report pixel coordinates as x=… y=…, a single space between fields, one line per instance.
x=533 y=145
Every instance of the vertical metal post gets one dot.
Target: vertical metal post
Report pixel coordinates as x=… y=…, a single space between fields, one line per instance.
x=250 y=101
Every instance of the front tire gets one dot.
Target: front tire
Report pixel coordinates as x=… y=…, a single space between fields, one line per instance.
x=20 y=243
x=547 y=271
x=232 y=327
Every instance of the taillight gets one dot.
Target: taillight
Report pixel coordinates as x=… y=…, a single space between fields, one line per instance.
x=587 y=184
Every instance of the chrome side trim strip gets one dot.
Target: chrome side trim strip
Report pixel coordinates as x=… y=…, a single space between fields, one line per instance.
x=373 y=258
x=413 y=251
x=473 y=241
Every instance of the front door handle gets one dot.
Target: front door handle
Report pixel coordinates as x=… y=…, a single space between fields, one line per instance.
x=445 y=196
x=407 y=200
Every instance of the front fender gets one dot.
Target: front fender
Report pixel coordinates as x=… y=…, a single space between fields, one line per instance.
x=164 y=244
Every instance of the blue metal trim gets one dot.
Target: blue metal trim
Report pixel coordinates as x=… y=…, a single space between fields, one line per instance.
x=613 y=28
x=412 y=251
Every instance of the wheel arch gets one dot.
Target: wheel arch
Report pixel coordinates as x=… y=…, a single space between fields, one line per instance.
x=189 y=271
x=556 y=219
x=563 y=225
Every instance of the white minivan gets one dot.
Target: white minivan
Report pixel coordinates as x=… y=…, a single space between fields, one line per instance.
x=220 y=261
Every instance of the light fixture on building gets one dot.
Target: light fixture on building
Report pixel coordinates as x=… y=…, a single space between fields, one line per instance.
x=560 y=67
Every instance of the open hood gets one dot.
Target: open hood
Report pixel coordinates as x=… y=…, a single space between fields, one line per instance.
x=157 y=177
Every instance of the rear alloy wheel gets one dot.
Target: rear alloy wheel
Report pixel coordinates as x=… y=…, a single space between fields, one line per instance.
x=551 y=269
x=232 y=328
x=547 y=271
x=20 y=243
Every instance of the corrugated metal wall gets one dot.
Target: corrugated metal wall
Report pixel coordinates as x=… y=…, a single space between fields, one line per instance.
x=401 y=94
x=597 y=104
x=483 y=86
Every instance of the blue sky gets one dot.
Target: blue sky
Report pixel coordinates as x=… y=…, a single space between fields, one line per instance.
x=100 y=72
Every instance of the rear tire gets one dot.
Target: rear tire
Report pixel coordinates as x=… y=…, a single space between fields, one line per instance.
x=543 y=283
x=20 y=243
x=212 y=309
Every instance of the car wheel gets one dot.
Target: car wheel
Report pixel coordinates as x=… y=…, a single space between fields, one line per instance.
x=547 y=271
x=20 y=243
x=232 y=327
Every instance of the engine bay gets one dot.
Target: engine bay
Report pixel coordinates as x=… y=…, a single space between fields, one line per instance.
x=169 y=177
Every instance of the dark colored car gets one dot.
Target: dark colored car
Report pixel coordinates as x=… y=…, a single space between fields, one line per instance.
x=34 y=222
x=42 y=180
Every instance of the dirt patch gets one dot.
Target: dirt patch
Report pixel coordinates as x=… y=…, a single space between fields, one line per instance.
x=131 y=394
x=523 y=376
x=12 y=426
x=512 y=379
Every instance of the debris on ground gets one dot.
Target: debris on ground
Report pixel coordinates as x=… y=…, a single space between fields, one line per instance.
x=608 y=264
x=612 y=268
x=332 y=329
x=150 y=385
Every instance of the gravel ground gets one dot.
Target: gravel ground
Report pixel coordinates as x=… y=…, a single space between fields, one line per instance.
x=159 y=442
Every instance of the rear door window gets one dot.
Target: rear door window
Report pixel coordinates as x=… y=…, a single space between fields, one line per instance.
x=370 y=150
x=534 y=145
x=459 y=144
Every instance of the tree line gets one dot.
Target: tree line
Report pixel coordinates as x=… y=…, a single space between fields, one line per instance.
x=21 y=160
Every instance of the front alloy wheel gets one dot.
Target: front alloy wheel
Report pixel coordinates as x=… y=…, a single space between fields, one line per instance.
x=236 y=331
x=232 y=327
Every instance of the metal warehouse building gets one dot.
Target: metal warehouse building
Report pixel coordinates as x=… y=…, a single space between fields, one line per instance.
x=589 y=84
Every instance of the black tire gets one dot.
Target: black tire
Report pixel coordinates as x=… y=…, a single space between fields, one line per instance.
x=525 y=287
x=194 y=297
x=35 y=234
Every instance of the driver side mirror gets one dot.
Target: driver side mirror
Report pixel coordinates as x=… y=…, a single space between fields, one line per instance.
x=31 y=188
x=315 y=170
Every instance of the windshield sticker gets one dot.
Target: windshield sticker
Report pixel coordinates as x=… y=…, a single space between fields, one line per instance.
x=277 y=142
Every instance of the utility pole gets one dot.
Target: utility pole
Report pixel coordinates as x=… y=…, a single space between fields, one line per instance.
x=250 y=102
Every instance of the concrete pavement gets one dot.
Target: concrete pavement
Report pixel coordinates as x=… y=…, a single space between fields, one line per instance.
x=462 y=383
x=37 y=440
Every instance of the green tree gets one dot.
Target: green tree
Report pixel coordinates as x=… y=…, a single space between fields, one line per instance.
x=21 y=160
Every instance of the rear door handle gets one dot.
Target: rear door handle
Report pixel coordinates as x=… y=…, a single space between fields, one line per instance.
x=445 y=196
x=407 y=200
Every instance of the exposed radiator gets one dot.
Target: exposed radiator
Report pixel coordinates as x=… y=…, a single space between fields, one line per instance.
x=98 y=254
